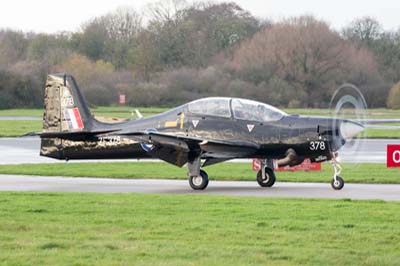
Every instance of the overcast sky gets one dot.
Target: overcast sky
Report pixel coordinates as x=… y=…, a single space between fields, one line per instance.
x=54 y=15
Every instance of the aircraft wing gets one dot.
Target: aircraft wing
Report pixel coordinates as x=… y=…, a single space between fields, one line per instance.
x=176 y=149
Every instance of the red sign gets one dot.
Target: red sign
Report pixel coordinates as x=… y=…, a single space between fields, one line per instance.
x=256 y=165
x=393 y=156
x=122 y=99
x=306 y=165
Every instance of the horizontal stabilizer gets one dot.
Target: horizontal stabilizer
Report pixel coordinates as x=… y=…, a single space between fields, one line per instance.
x=81 y=135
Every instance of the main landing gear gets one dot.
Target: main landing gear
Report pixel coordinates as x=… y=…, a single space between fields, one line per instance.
x=198 y=179
x=337 y=182
x=266 y=176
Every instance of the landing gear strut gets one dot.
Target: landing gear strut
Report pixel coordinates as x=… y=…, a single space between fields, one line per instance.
x=337 y=182
x=198 y=179
x=266 y=176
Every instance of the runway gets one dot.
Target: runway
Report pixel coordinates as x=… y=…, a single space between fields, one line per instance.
x=226 y=188
x=26 y=150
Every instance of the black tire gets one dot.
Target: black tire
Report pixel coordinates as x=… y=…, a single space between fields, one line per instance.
x=199 y=182
x=268 y=180
x=339 y=184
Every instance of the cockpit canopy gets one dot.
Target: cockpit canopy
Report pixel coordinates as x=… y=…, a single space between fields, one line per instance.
x=240 y=108
x=211 y=106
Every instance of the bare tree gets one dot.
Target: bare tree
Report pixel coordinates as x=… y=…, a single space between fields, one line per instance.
x=166 y=11
x=13 y=47
x=123 y=25
x=365 y=30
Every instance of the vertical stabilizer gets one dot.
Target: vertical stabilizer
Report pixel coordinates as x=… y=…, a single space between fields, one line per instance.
x=65 y=110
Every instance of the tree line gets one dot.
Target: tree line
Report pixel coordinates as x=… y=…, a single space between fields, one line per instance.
x=172 y=52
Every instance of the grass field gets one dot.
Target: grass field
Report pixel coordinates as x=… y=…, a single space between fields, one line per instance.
x=21 y=112
x=352 y=173
x=12 y=128
x=107 y=111
x=130 y=229
x=18 y=128
x=373 y=133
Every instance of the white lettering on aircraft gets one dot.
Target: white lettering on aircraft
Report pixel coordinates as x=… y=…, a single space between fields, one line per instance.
x=112 y=140
x=317 y=145
x=67 y=101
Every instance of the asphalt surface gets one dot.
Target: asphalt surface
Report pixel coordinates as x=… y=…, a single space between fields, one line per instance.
x=227 y=188
x=26 y=150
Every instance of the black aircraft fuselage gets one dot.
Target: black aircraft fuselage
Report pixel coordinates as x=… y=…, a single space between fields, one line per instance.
x=274 y=138
x=211 y=129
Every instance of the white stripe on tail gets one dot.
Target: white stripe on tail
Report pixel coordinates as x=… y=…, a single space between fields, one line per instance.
x=73 y=118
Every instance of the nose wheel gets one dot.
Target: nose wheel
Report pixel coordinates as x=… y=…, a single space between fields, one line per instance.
x=266 y=178
x=337 y=182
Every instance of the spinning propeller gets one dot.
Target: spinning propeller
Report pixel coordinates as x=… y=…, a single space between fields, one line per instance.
x=348 y=105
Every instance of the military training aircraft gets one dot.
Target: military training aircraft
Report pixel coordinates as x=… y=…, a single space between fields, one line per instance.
x=200 y=133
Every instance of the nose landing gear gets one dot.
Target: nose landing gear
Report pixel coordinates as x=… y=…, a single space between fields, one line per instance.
x=267 y=179
x=337 y=182
x=266 y=176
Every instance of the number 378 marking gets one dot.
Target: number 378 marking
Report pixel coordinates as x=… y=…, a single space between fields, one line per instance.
x=317 y=145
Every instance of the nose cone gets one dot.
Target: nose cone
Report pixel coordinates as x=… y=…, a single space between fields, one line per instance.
x=350 y=129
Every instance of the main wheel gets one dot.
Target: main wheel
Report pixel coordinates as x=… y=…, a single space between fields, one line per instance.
x=337 y=184
x=199 y=182
x=268 y=180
